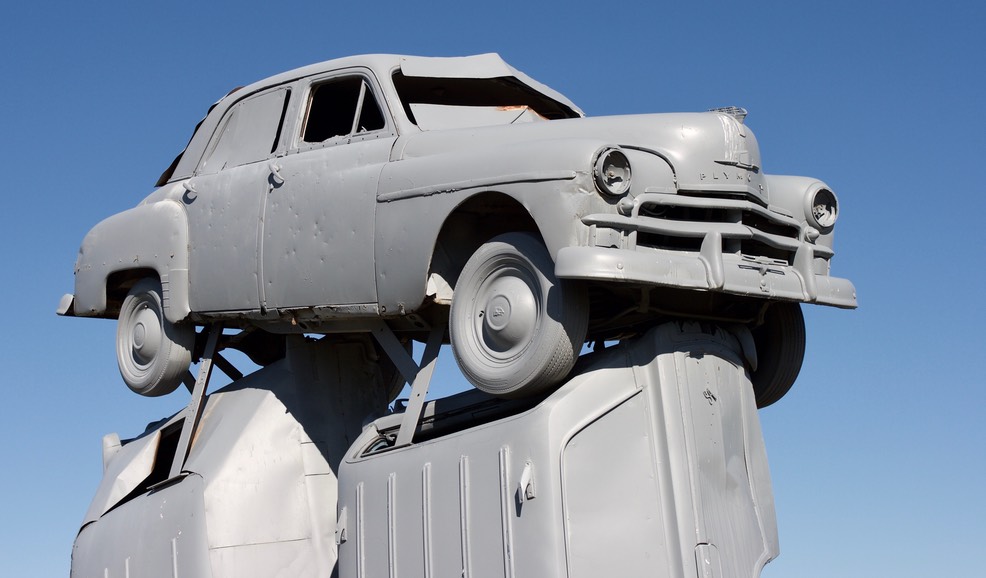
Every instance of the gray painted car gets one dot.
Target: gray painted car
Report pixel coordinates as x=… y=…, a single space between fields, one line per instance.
x=424 y=191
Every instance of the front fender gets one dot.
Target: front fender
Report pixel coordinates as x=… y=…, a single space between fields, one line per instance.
x=152 y=236
x=417 y=194
x=551 y=179
x=460 y=163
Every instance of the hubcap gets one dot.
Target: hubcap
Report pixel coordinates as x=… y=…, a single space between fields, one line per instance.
x=509 y=316
x=145 y=336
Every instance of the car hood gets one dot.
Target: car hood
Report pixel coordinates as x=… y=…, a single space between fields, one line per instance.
x=708 y=152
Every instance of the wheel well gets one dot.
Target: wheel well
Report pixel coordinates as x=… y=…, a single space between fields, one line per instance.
x=474 y=222
x=118 y=284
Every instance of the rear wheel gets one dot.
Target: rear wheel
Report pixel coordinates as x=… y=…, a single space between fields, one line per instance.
x=153 y=353
x=515 y=328
x=780 y=344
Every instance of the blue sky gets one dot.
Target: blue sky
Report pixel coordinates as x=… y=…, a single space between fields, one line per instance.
x=877 y=454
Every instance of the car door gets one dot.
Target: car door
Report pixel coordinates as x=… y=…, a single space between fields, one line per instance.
x=224 y=201
x=318 y=232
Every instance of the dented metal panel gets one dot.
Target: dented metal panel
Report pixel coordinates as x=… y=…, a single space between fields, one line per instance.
x=257 y=496
x=225 y=202
x=263 y=441
x=317 y=224
x=162 y=535
x=123 y=473
x=610 y=482
x=714 y=456
x=650 y=454
x=648 y=461
x=150 y=237
x=224 y=221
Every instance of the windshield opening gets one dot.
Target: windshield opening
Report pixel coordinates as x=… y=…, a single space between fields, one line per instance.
x=476 y=92
x=170 y=171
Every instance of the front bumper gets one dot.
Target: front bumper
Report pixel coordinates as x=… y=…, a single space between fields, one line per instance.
x=697 y=259
x=66 y=306
x=728 y=274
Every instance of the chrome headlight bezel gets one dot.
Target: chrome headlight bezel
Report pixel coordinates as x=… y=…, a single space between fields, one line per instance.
x=611 y=172
x=821 y=208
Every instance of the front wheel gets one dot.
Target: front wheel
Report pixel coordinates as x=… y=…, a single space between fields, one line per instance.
x=515 y=328
x=780 y=343
x=153 y=353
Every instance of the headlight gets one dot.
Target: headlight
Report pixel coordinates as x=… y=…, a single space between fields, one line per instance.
x=612 y=172
x=821 y=208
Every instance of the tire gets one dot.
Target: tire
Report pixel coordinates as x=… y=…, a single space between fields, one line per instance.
x=780 y=343
x=515 y=329
x=153 y=353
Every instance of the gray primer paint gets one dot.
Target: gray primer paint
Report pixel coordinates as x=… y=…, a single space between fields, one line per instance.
x=648 y=461
x=273 y=231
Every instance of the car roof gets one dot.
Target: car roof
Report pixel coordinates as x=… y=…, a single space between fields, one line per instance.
x=488 y=65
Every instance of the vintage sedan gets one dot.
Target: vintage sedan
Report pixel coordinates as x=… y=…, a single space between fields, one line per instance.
x=423 y=191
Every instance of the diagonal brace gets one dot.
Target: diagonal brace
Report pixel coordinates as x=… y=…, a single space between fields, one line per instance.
x=419 y=389
x=193 y=413
x=420 y=377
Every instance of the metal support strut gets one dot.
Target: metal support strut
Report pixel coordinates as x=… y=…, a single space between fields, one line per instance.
x=193 y=413
x=418 y=377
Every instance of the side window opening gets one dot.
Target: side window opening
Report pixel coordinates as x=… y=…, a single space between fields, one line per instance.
x=170 y=171
x=333 y=108
x=370 y=117
x=166 y=449
x=280 y=123
x=250 y=132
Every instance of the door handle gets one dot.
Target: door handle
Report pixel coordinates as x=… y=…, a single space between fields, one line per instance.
x=275 y=173
x=190 y=192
